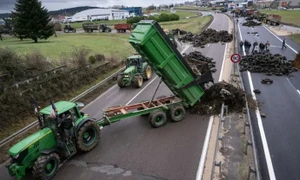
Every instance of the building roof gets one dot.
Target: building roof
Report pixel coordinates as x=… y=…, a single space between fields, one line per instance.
x=98 y=11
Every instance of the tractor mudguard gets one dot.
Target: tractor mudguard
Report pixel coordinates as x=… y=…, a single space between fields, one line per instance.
x=81 y=123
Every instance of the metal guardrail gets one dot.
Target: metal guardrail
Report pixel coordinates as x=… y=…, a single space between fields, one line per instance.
x=33 y=124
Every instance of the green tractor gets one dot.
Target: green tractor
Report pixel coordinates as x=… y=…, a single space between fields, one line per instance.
x=137 y=70
x=44 y=151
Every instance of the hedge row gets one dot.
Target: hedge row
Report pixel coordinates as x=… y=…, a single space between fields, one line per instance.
x=161 y=18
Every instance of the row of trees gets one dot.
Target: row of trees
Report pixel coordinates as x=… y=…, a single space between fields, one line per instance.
x=161 y=18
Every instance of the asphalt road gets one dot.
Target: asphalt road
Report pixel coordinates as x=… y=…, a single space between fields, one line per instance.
x=281 y=103
x=132 y=149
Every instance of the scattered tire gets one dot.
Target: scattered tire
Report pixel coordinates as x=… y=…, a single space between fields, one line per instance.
x=256 y=91
x=138 y=81
x=46 y=166
x=157 y=118
x=177 y=113
x=267 y=81
x=87 y=136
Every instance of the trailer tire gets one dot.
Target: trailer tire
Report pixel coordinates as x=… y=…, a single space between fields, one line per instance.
x=157 y=118
x=177 y=113
x=87 y=136
x=138 y=81
x=46 y=166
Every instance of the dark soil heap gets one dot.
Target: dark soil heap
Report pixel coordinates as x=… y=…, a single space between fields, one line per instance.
x=220 y=92
x=178 y=31
x=199 y=63
x=207 y=36
x=251 y=23
x=296 y=62
x=271 y=64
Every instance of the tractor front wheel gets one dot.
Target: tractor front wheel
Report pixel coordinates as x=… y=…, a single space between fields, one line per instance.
x=158 y=118
x=46 y=166
x=148 y=72
x=87 y=136
x=120 y=81
x=138 y=81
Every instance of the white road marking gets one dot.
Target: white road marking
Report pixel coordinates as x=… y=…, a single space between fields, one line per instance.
x=280 y=39
x=260 y=125
x=298 y=91
x=209 y=128
x=204 y=149
x=208 y=45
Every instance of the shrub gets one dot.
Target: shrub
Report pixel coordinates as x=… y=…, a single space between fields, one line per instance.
x=163 y=17
x=92 y=59
x=79 y=57
x=37 y=62
x=11 y=64
x=100 y=57
x=174 y=17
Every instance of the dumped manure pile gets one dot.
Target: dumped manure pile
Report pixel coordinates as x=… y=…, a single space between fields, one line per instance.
x=296 y=62
x=199 y=63
x=178 y=31
x=207 y=36
x=218 y=93
x=251 y=23
x=267 y=63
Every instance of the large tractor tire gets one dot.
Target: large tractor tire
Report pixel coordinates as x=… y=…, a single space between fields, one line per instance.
x=177 y=113
x=120 y=81
x=147 y=72
x=74 y=30
x=108 y=30
x=100 y=30
x=66 y=30
x=157 y=118
x=87 y=136
x=46 y=166
x=138 y=81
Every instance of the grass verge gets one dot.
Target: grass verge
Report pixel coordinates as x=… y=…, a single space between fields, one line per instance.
x=53 y=48
x=290 y=17
x=295 y=38
x=193 y=25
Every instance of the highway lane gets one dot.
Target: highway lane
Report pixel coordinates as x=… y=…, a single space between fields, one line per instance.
x=280 y=102
x=132 y=149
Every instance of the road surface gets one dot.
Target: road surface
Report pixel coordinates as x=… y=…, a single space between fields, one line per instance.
x=281 y=104
x=132 y=149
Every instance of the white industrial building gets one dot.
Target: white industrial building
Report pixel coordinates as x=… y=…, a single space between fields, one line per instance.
x=93 y=14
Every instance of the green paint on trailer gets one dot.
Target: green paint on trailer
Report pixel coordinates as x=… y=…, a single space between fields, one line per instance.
x=155 y=46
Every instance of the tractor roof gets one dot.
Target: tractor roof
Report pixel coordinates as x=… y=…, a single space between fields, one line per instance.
x=134 y=57
x=61 y=107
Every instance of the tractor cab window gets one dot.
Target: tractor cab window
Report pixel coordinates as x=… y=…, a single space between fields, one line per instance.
x=74 y=114
x=131 y=62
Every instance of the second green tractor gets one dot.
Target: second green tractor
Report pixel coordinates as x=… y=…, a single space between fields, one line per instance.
x=137 y=70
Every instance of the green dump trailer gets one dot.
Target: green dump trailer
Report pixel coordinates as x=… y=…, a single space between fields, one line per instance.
x=44 y=151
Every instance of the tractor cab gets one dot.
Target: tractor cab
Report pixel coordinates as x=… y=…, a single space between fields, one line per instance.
x=135 y=60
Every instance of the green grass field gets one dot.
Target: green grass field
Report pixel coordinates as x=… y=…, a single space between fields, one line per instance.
x=111 y=23
x=108 y=44
x=287 y=16
x=192 y=24
x=296 y=38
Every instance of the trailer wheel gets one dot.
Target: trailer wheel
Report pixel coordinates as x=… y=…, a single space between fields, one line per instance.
x=87 y=136
x=148 y=72
x=177 y=113
x=120 y=81
x=46 y=166
x=157 y=118
x=138 y=81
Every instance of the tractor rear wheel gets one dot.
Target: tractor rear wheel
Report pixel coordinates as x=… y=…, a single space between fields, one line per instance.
x=46 y=166
x=74 y=30
x=177 y=113
x=120 y=81
x=87 y=136
x=107 y=30
x=157 y=118
x=148 y=72
x=138 y=81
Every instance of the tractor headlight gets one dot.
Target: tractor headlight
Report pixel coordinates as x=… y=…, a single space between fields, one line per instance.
x=126 y=76
x=16 y=156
